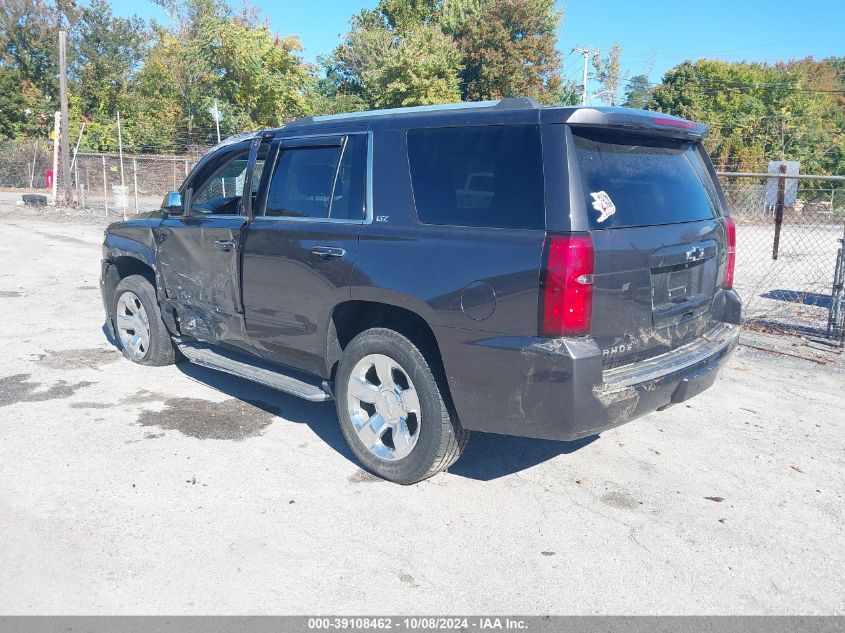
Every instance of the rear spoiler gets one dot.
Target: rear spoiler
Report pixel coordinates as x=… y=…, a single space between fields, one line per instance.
x=654 y=123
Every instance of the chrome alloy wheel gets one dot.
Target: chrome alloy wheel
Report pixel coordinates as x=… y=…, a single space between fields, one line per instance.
x=133 y=327
x=384 y=407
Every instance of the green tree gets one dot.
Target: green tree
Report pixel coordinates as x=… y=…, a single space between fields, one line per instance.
x=212 y=53
x=24 y=112
x=259 y=74
x=166 y=95
x=108 y=52
x=758 y=112
x=401 y=15
x=637 y=92
x=607 y=72
x=29 y=63
x=389 y=67
x=508 y=49
x=29 y=39
x=456 y=14
x=411 y=52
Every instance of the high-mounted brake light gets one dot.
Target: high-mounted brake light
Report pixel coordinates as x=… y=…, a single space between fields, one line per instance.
x=730 y=261
x=687 y=125
x=567 y=285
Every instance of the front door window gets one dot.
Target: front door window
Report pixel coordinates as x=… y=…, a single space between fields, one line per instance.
x=221 y=191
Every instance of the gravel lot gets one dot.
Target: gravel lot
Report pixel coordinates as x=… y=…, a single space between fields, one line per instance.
x=126 y=489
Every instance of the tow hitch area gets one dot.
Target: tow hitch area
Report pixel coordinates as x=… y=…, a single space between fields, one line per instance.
x=694 y=383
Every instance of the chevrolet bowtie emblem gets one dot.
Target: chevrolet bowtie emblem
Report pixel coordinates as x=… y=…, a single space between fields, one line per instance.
x=694 y=254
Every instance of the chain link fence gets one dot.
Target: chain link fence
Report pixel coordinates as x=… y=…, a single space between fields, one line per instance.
x=138 y=183
x=788 y=237
x=102 y=182
x=24 y=165
x=789 y=228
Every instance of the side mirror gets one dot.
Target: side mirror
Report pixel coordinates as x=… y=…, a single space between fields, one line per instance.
x=172 y=203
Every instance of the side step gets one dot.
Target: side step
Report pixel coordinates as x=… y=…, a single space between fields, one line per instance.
x=208 y=357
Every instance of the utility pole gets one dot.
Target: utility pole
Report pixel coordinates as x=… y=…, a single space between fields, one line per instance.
x=64 y=128
x=587 y=53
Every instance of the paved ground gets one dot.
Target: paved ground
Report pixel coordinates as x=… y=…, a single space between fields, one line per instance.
x=126 y=489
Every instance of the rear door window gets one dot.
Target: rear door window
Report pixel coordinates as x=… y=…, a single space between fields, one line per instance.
x=320 y=182
x=302 y=183
x=350 y=189
x=489 y=176
x=636 y=180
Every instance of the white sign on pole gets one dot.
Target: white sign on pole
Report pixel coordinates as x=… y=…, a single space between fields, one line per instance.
x=120 y=197
x=791 y=184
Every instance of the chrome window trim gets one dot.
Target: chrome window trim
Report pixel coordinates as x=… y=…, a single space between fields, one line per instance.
x=368 y=217
x=219 y=216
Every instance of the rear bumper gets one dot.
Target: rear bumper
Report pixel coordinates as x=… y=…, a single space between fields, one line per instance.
x=556 y=388
x=636 y=390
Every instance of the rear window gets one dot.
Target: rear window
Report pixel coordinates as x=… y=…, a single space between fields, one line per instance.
x=633 y=180
x=489 y=176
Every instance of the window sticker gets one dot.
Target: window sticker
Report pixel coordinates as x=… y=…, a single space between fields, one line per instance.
x=603 y=204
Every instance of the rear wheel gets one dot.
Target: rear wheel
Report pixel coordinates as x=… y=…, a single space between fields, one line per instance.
x=391 y=410
x=142 y=335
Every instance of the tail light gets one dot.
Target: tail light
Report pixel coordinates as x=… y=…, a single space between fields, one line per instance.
x=566 y=286
x=730 y=262
x=681 y=123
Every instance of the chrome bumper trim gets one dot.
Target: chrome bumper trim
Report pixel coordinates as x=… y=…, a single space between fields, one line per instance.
x=712 y=343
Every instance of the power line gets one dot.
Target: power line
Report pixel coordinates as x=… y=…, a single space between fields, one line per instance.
x=587 y=53
x=723 y=85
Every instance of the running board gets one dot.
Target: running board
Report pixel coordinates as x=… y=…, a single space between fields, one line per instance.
x=207 y=357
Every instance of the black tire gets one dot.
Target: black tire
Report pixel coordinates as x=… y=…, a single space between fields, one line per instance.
x=161 y=350
x=441 y=439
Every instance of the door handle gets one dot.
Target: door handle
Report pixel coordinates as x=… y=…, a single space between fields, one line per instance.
x=226 y=245
x=328 y=251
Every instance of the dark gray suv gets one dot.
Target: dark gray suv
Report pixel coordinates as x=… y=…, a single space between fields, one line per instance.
x=503 y=267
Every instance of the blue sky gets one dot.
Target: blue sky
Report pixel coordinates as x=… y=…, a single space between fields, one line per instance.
x=659 y=30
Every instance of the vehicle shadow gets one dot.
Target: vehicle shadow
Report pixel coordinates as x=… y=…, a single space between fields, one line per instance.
x=487 y=456
x=805 y=298
x=320 y=417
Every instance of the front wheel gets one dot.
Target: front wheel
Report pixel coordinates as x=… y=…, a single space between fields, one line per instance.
x=143 y=337
x=391 y=409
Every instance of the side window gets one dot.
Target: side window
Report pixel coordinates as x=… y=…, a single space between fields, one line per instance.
x=320 y=182
x=349 y=198
x=260 y=162
x=302 y=182
x=221 y=192
x=489 y=176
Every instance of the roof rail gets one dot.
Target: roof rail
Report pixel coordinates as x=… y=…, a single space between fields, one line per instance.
x=510 y=103
x=518 y=103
